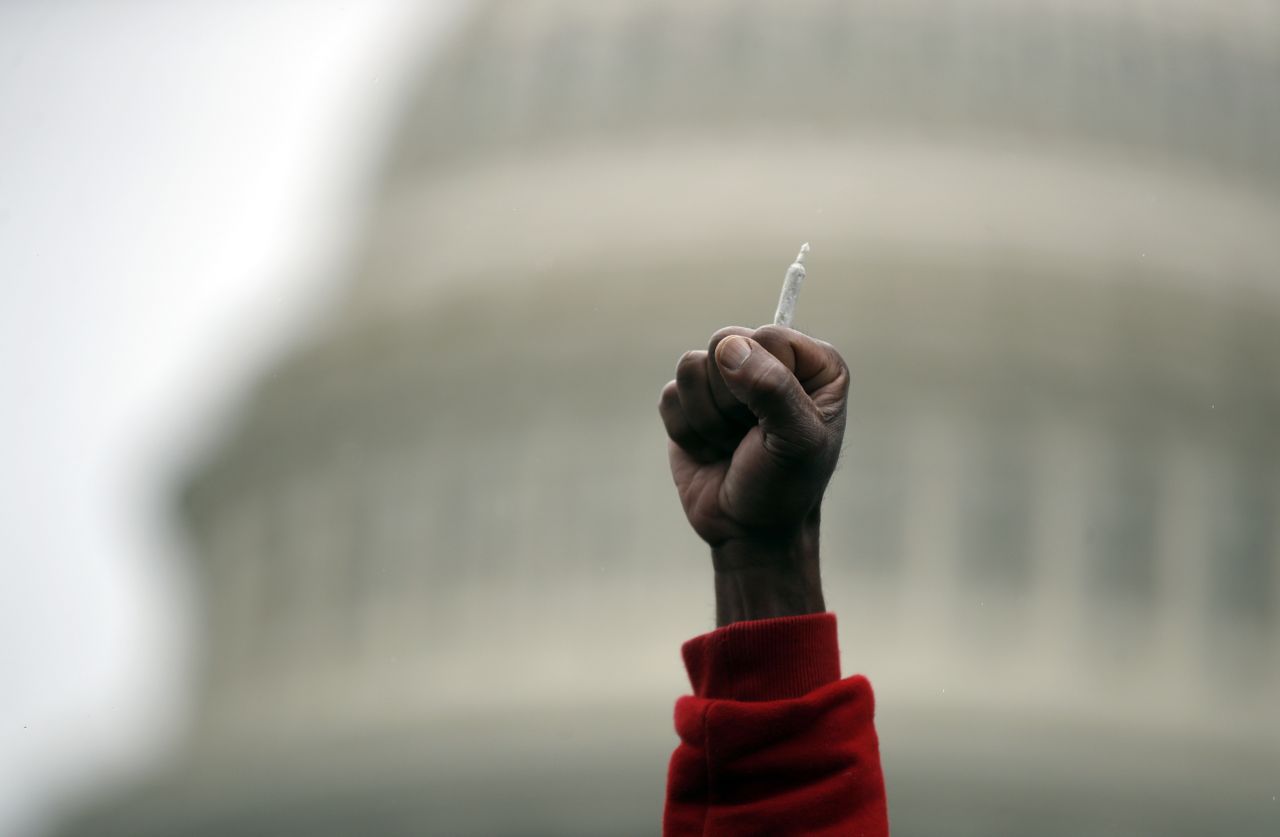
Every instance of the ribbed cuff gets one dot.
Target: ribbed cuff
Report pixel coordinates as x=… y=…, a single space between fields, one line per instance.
x=764 y=659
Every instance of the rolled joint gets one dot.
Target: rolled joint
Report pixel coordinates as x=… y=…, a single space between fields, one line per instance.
x=791 y=289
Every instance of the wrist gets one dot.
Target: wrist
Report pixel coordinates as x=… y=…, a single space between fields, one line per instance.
x=768 y=577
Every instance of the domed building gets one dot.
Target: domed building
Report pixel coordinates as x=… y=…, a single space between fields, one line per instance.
x=447 y=576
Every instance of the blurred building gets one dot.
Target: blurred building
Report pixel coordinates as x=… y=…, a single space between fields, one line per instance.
x=446 y=573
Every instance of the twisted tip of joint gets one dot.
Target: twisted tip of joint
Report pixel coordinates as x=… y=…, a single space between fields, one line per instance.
x=804 y=248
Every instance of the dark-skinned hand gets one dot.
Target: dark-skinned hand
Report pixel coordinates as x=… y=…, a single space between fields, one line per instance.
x=755 y=425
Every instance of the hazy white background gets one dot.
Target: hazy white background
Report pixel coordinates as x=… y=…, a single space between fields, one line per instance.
x=178 y=182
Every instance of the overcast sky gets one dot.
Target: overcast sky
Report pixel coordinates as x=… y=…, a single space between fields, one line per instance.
x=176 y=183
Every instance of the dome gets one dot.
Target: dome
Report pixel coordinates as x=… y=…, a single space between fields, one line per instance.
x=557 y=132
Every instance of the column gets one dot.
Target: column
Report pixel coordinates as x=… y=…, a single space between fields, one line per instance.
x=933 y=482
x=1064 y=472
x=1182 y=578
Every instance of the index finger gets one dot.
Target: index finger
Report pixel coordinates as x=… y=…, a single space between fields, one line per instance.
x=815 y=363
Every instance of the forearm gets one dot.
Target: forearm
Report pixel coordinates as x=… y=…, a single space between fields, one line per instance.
x=766 y=578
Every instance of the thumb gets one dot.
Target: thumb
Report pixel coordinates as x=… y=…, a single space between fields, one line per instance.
x=771 y=391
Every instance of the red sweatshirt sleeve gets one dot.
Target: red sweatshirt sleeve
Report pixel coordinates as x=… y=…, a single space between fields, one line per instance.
x=772 y=741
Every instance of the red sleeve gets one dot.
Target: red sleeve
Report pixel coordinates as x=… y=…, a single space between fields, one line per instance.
x=772 y=741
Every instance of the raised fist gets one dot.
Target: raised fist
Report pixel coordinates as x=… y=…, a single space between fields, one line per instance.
x=755 y=425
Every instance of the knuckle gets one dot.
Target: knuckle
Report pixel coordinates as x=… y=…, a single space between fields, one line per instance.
x=777 y=341
x=727 y=331
x=772 y=337
x=836 y=358
x=669 y=397
x=721 y=333
x=689 y=363
x=842 y=373
x=833 y=405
